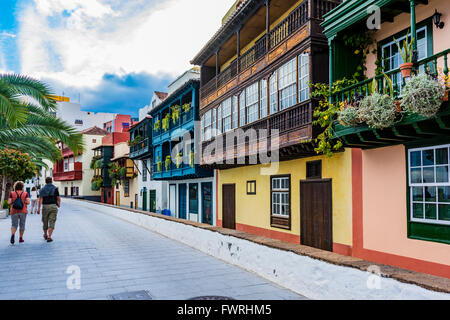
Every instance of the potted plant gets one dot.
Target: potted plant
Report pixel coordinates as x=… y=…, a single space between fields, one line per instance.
x=186 y=107
x=444 y=79
x=168 y=161
x=406 y=51
x=422 y=95
x=377 y=110
x=191 y=158
x=348 y=116
x=178 y=159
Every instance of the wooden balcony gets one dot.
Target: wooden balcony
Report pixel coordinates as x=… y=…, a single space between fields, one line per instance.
x=290 y=32
x=408 y=127
x=293 y=125
x=76 y=174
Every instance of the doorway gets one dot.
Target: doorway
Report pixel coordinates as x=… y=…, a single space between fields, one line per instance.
x=207 y=208
x=316 y=213
x=229 y=206
x=118 y=198
x=152 y=203
x=182 y=203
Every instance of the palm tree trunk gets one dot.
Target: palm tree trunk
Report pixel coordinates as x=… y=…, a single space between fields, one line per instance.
x=3 y=190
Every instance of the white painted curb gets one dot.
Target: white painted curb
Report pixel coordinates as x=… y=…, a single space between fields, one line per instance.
x=312 y=278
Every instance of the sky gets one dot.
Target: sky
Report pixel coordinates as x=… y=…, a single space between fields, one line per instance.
x=108 y=54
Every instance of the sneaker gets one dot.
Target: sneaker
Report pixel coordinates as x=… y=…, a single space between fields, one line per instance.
x=21 y=240
x=45 y=237
x=13 y=239
x=49 y=239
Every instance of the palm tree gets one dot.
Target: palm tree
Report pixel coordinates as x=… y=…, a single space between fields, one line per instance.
x=27 y=123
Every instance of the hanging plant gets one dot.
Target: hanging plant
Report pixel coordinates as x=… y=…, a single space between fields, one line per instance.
x=191 y=158
x=377 y=110
x=168 y=161
x=179 y=159
x=135 y=141
x=175 y=113
x=165 y=122
x=186 y=107
x=157 y=125
x=423 y=95
x=159 y=166
x=348 y=116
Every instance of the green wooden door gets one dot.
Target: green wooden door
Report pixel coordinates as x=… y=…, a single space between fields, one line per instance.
x=152 y=200
x=144 y=200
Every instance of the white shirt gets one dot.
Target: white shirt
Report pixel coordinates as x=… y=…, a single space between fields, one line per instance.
x=33 y=195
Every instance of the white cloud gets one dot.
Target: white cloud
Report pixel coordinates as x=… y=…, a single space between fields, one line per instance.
x=75 y=42
x=7 y=34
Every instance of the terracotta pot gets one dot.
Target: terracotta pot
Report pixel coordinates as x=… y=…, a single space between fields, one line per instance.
x=445 y=98
x=398 y=105
x=406 y=69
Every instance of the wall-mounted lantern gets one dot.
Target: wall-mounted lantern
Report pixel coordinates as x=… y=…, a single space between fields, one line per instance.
x=437 y=20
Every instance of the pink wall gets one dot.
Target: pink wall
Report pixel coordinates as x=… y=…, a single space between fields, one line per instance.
x=385 y=208
x=441 y=38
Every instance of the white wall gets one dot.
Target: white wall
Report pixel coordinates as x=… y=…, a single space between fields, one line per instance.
x=70 y=112
x=193 y=73
x=310 y=277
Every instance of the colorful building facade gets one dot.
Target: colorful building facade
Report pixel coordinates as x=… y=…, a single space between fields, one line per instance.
x=255 y=76
x=73 y=174
x=400 y=180
x=191 y=189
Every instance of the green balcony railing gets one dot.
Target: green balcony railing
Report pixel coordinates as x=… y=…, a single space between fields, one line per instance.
x=432 y=65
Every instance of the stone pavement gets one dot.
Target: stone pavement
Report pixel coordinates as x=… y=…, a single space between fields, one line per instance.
x=115 y=257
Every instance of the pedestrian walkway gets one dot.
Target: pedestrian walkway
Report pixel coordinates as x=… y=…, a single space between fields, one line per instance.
x=115 y=257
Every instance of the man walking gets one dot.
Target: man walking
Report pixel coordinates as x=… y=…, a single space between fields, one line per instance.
x=50 y=200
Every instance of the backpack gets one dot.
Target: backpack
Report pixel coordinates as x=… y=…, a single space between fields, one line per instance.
x=18 y=203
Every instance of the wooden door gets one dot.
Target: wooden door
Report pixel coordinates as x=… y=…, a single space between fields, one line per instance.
x=182 y=202
x=118 y=198
x=144 y=200
x=152 y=204
x=229 y=206
x=316 y=213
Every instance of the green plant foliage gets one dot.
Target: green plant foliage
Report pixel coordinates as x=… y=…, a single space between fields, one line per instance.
x=325 y=114
x=168 y=161
x=422 y=95
x=16 y=165
x=377 y=111
x=6 y=204
x=405 y=48
x=96 y=183
x=94 y=159
x=135 y=141
x=176 y=109
x=186 y=107
x=165 y=122
x=157 y=125
x=349 y=116
x=359 y=44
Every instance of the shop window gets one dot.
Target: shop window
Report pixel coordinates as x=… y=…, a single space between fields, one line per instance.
x=193 y=198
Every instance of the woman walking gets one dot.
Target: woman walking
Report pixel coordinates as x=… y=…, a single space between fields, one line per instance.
x=34 y=200
x=18 y=199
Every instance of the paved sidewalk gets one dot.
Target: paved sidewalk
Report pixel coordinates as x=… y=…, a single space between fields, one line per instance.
x=116 y=257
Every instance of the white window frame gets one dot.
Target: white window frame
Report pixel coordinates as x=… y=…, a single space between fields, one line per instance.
x=227 y=115
x=252 y=102
x=281 y=191
x=287 y=83
x=263 y=98
x=303 y=76
x=434 y=184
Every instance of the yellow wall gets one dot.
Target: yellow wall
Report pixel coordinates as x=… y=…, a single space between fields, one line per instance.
x=252 y=43
x=126 y=201
x=254 y=210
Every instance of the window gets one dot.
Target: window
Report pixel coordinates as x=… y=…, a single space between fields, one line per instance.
x=429 y=184
x=303 y=77
x=219 y=120
x=281 y=196
x=251 y=187
x=213 y=122
x=207 y=125
x=314 y=169
x=78 y=122
x=251 y=97
x=126 y=188
x=226 y=109
x=94 y=140
x=235 y=112
x=242 y=109
x=202 y=127
x=273 y=94
x=144 y=170
x=193 y=198
x=263 y=98
x=392 y=59
x=287 y=84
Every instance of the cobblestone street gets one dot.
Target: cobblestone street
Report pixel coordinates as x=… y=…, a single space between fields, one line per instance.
x=115 y=257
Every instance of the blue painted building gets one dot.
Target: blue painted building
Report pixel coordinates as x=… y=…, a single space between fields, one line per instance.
x=191 y=188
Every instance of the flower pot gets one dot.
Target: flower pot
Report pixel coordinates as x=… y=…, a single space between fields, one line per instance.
x=398 y=106
x=4 y=213
x=406 y=69
x=445 y=98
